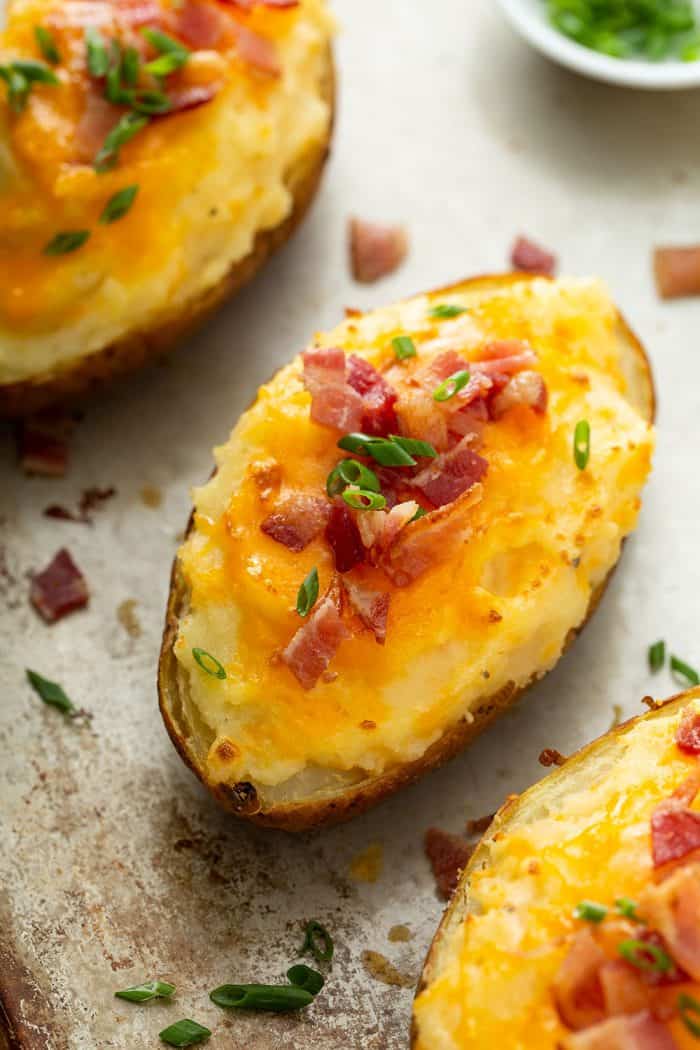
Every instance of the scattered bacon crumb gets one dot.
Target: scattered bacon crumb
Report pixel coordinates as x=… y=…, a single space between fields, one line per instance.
x=688 y=733
x=297 y=520
x=344 y=538
x=90 y=499
x=352 y=311
x=532 y=258
x=367 y=723
x=42 y=445
x=551 y=757
x=448 y=854
x=315 y=643
x=677 y=271
x=371 y=606
x=675 y=828
x=478 y=826
x=59 y=589
x=375 y=250
x=258 y=51
x=190 y=96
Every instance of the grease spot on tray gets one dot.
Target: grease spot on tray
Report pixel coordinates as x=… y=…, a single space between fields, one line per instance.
x=367 y=866
x=151 y=496
x=400 y=934
x=126 y=614
x=379 y=968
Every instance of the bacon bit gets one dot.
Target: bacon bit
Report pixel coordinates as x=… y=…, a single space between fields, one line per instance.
x=531 y=258
x=379 y=397
x=448 y=855
x=297 y=520
x=504 y=357
x=675 y=829
x=624 y=992
x=551 y=757
x=333 y=402
x=673 y=908
x=98 y=118
x=190 y=97
x=55 y=510
x=525 y=388
x=367 y=723
x=639 y=1032
x=202 y=26
x=42 y=446
x=352 y=311
x=258 y=51
x=688 y=733
x=375 y=250
x=577 y=991
x=90 y=499
x=316 y=642
x=344 y=538
x=677 y=271
x=371 y=606
x=480 y=825
x=674 y=975
x=451 y=474
x=248 y=5
x=137 y=13
x=59 y=589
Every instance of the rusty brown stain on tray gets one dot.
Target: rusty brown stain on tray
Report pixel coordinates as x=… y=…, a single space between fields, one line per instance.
x=151 y=496
x=367 y=866
x=381 y=969
x=400 y=934
x=126 y=615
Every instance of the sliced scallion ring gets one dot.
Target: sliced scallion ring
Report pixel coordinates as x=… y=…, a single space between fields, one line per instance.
x=308 y=593
x=318 y=941
x=582 y=443
x=209 y=663
x=351 y=472
x=683 y=672
x=404 y=347
x=645 y=956
x=361 y=499
x=451 y=386
x=590 y=911
x=688 y=1005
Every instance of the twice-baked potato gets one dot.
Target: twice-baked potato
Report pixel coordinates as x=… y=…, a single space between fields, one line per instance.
x=576 y=923
x=460 y=529
x=152 y=156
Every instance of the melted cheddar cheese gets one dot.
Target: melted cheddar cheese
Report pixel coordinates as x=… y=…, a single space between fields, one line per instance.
x=542 y=539
x=209 y=178
x=588 y=837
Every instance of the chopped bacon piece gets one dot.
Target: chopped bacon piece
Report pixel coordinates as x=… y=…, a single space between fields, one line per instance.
x=504 y=357
x=258 y=51
x=371 y=606
x=524 y=388
x=248 y=5
x=202 y=26
x=137 y=13
x=451 y=474
x=190 y=96
x=297 y=520
x=677 y=271
x=673 y=908
x=688 y=733
x=430 y=540
x=379 y=397
x=577 y=991
x=530 y=257
x=344 y=538
x=448 y=854
x=624 y=992
x=375 y=250
x=639 y=1032
x=42 y=446
x=419 y=418
x=316 y=642
x=60 y=589
x=333 y=402
x=379 y=528
x=97 y=120
x=675 y=829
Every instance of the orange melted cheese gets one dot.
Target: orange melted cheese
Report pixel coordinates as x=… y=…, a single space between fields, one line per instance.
x=544 y=535
x=590 y=842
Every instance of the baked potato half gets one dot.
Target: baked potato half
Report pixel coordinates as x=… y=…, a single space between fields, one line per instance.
x=152 y=156
x=576 y=923
x=409 y=480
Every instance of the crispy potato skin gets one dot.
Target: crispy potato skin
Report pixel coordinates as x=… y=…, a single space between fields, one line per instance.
x=82 y=378
x=325 y=810
x=455 y=908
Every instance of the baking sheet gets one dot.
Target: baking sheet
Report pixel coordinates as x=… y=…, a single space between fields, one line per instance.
x=114 y=865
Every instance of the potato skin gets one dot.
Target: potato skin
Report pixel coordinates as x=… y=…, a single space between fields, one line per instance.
x=80 y=379
x=325 y=810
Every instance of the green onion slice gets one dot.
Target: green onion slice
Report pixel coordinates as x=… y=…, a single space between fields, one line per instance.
x=591 y=911
x=166 y=64
x=304 y=977
x=130 y=66
x=657 y=655
x=150 y=102
x=209 y=663
x=143 y=993
x=683 y=671
x=451 y=386
x=582 y=443
x=97 y=54
x=318 y=941
x=385 y=451
x=184 y=1033
x=18 y=88
x=51 y=693
x=270 y=997
x=308 y=593
x=414 y=447
x=118 y=205
x=420 y=513
x=444 y=311
x=361 y=499
x=34 y=71
x=129 y=125
x=161 y=42
x=47 y=45
x=351 y=472
x=404 y=347
x=66 y=242
x=688 y=1005
x=627 y=907
x=645 y=956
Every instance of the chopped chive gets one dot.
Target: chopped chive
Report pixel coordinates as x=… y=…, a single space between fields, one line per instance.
x=51 y=693
x=645 y=956
x=209 y=663
x=47 y=45
x=404 y=347
x=444 y=311
x=451 y=386
x=150 y=102
x=97 y=54
x=582 y=443
x=627 y=907
x=129 y=125
x=68 y=241
x=166 y=64
x=651 y=29
x=318 y=941
x=304 y=977
x=385 y=451
x=684 y=672
x=162 y=43
x=657 y=655
x=130 y=66
x=688 y=1005
x=184 y=1033
x=114 y=91
x=420 y=513
x=119 y=204
x=143 y=993
x=414 y=447
x=590 y=911
x=269 y=997
x=361 y=499
x=35 y=72
x=18 y=88
x=351 y=472
x=308 y=593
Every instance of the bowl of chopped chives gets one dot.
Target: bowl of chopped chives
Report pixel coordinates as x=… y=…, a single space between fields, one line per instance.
x=652 y=44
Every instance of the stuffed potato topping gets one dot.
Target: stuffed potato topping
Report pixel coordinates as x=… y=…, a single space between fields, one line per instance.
x=577 y=921
x=152 y=154
x=405 y=529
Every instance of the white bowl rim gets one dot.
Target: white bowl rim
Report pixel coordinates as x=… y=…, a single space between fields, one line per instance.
x=664 y=76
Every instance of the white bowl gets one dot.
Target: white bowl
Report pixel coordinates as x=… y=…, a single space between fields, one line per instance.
x=529 y=17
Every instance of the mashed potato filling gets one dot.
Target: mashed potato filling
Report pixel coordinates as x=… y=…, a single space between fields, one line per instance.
x=543 y=538
x=210 y=179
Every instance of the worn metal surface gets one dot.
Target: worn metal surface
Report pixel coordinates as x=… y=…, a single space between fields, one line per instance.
x=114 y=866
